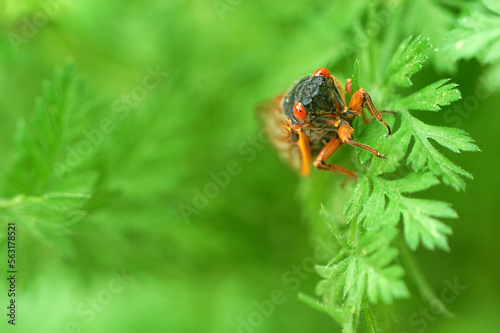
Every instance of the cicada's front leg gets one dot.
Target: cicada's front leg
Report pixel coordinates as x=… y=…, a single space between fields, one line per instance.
x=345 y=134
x=348 y=88
x=357 y=103
x=326 y=152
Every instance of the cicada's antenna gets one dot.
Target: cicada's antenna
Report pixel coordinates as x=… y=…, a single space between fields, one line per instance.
x=328 y=65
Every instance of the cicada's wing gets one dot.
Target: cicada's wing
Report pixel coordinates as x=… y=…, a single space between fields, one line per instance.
x=293 y=147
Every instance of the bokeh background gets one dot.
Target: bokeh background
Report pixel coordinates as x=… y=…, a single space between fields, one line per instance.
x=211 y=266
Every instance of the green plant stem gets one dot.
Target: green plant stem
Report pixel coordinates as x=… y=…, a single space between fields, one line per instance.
x=336 y=258
x=371 y=324
x=371 y=40
x=418 y=278
x=352 y=324
x=340 y=238
x=354 y=233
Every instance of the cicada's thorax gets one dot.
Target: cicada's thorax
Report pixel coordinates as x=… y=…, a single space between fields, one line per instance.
x=324 y=101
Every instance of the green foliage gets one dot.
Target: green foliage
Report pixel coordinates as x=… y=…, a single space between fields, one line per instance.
x=56 y=121
x=45 y=216
x=47 y=202
x=119 y=207
x=424 y=154
x=407 y=60
x=367 y=269
x=477 y=36
x=492 y=5
x=432 y=97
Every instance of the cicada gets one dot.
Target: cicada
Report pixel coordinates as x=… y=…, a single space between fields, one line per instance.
x=309 y=122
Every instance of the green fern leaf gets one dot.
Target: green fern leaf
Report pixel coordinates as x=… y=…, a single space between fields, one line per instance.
x=432 y=97
x=43 y=204
x=478 y=36
x=406 y=61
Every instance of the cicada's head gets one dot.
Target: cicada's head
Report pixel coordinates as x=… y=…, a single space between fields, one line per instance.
x=314 y=98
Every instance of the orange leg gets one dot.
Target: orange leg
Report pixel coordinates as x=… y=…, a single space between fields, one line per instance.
x=326 y=152
x=348 y=88
x=305 y=152
x=357 y=103
x=345 y=134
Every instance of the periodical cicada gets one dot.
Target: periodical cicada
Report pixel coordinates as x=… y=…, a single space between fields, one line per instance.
x=311 y=121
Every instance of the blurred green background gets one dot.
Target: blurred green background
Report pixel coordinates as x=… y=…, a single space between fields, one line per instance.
x=213 y=267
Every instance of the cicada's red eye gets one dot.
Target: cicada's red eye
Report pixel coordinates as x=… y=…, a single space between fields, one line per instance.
x=322 y=72
x=299 y=112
